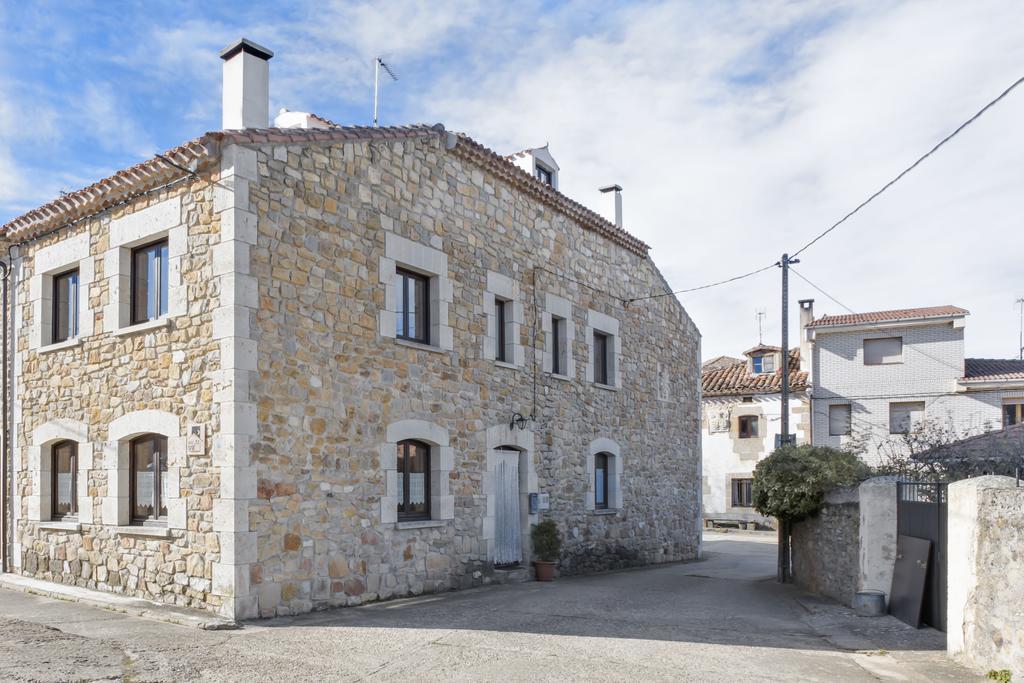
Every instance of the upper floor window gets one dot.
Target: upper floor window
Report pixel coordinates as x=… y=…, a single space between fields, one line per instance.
x=558 y=346
x=65 y=306
x=64 y=479
x=743 y=493
x=413 y=315
x=905 y=417
x=763 y=363
x=839 y=419
x=601 y=359
x=748 y=426
x=149 y=282
x=148 y=485
x=545 y=175
x=883 y=351
x=501 y=308
x=1013 y=412
x=413 y=480
x=601 y=481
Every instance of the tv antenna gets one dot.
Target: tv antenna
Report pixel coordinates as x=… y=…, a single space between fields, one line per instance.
x=1020 y=339
x=378 y=64
x=761 y=314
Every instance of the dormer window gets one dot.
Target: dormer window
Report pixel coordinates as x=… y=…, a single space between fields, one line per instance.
x=763 y=364
x=545 y=175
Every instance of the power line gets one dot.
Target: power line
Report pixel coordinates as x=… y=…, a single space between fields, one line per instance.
x=822 y=291
x=707 y=286
x=914 y=165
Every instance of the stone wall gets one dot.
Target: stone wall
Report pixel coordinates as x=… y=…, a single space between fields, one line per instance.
x=985 y=618
x=333 y=380
x=78 y=390
x=826 y=548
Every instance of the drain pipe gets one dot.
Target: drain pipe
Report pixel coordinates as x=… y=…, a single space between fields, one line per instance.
x=7 y=454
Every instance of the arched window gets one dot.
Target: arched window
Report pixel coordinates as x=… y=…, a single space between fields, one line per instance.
x=601 y=481
x=413 y=480
x=148 y=479
x=64 y=479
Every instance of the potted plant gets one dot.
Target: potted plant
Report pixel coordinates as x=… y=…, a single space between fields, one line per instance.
x=547 y=544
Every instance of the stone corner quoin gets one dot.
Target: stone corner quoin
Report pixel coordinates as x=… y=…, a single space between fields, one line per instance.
x=279 y=389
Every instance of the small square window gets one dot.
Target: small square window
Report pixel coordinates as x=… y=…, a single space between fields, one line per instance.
x=748 y=426
x=544 y=175
x=65 y=306
x=1013 y=413
x=764 y=363
x=839 y=419
x=883 y=351
x=904 y=418
x=743 y=493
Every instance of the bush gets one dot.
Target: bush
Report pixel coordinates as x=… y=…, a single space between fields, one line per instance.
x=791 y=483
x=547 y=542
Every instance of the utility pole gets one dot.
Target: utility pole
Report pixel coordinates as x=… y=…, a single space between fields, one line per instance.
x=784 y=569
x=1020 y=339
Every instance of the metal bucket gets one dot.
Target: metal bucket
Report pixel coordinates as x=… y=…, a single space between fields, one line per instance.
x=869 y=603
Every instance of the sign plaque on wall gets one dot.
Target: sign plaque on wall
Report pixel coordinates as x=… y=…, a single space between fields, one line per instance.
x=195 y=440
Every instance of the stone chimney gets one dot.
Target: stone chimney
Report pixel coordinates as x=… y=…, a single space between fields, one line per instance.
x=611 y=203
x=246 y=96
x=806 y=318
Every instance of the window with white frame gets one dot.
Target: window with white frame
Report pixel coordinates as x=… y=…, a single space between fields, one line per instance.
x=884 y=351
x=417 y=292
x=763 y=363
x=504 y=310
x=143 y=267
x=605 y=349
x=840 y=419
x=905 y=417
x=60 y=457
x=59 y=293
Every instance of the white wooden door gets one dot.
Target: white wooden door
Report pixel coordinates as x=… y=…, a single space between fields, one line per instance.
x=508 y=541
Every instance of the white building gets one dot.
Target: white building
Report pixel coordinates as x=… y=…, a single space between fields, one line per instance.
x=742 y=416
x=879 y=376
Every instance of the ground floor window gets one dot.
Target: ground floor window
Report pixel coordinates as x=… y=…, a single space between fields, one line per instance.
x=64 y=478
x=149 y=479
x=743 y=493
x=1013 y=413
x=601 y=481
x=413 y=480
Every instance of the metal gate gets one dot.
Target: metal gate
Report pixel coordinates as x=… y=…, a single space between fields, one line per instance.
x=921 y=512
x=508 y=547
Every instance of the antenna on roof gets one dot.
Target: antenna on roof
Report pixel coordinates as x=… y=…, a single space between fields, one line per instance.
x=1020 y=339
x=378 y=64
x=761 y=314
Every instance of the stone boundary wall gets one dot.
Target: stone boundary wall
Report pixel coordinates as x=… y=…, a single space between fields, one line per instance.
x=985 y=610
x=826 y=548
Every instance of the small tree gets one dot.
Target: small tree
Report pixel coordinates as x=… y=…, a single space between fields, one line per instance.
x=791 y=483
x=547 y=541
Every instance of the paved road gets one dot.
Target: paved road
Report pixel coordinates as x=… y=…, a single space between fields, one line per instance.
x=723 y=619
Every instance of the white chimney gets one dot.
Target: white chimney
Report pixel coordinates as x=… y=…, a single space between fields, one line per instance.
x=246 y=99
x=806 y=318
x=611 y=203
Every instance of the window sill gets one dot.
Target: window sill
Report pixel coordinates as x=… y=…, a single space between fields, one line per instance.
x=66 y=344
x=606 y=387
x=418 y=345
x=149 y=531
x=504 y=364
x=422 y=524
x=148 y=326
x=60 y=526
x=564 y=378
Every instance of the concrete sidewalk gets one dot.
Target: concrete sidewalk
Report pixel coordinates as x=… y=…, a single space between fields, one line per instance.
x=723 y=618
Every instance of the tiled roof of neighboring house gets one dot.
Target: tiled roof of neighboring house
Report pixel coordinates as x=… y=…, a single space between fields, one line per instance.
x=1000 y=451
x=992 y=369
x=736 y=379
x=719 y=362
x=198 y=153
x=888 y=316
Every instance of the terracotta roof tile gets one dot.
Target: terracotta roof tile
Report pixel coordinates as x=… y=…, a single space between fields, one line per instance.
x=735 y=379
x=993 y=369
x=199 y=153
x=888 y=316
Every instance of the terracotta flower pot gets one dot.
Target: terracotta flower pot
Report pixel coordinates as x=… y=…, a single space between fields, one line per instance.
x=545 y=570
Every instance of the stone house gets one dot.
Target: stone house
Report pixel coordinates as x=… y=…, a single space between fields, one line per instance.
x=881 y=376
x=741 y=405
x=280 y=368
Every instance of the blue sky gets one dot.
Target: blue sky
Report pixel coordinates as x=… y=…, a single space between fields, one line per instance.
x=738 y=129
